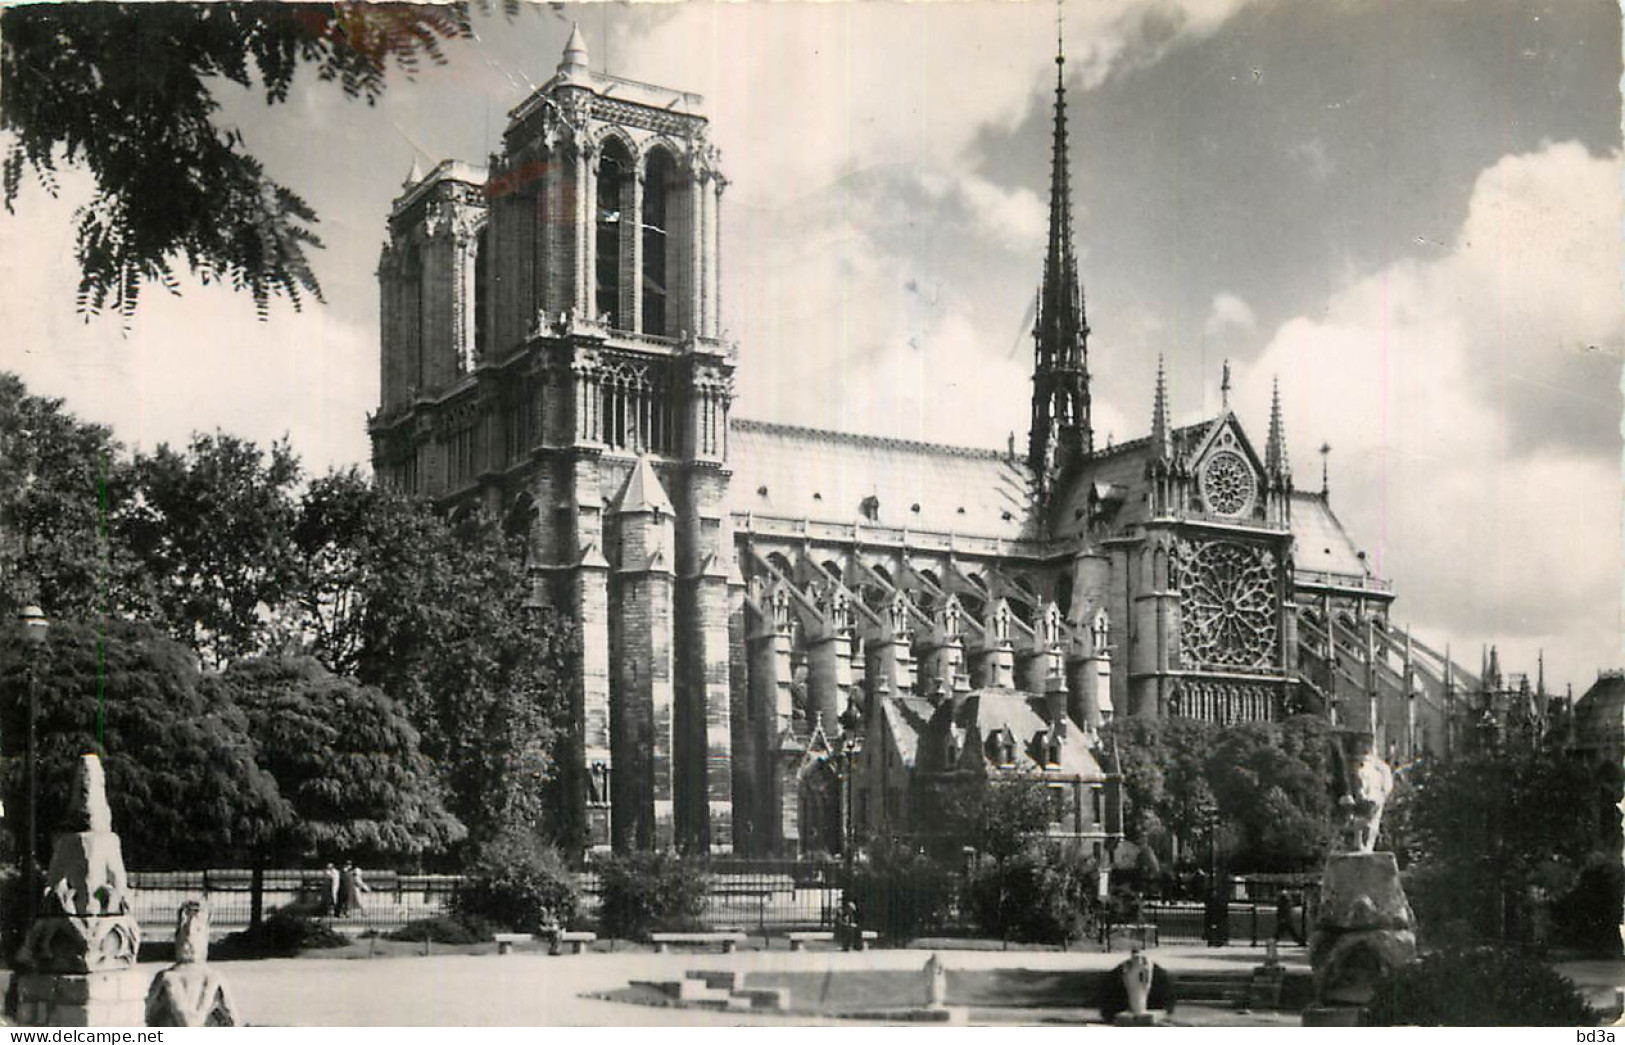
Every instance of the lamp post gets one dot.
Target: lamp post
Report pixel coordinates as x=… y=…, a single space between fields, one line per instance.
x=847 y=752
x=35 y=626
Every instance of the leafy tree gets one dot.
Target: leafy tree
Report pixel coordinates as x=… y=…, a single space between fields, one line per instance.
x=1273 y=784
x=211 y=535
x=998 y=815
x=1483 y=835
x=185 y=787
x=1165 y=782
x=346 y=759
x=644 y=892
x=59 y=478
x=513 y=878
x=435 y=613
x=1043 y=894
x=1478 y=987
x=128 y=91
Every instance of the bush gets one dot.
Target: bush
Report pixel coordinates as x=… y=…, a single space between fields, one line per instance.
x=899 y=891
x=1478 y=987
x=512 y=879
x=641 y=893
x=1044 y=894
x=448 y=929
x=1587 y=914
x=282 y=934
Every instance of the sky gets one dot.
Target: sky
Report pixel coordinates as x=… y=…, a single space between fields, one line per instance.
x=1409 y=214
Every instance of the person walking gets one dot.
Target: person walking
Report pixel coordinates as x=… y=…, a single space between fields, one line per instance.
x=330 y=890
x=351 y=886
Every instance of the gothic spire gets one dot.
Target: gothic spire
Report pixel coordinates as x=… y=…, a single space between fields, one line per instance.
x=1275 y=450
x=1060 y=421
x=1161 y=446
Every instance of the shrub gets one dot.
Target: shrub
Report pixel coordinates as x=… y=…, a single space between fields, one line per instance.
x=1044 y=894
x=1587 y=914
x=644 y=892
x=282 y=934
x=447 y=929
x=899 y=891
x=512 y=879
x=1478 y=987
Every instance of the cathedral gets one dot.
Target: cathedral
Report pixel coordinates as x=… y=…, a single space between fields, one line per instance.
x=788 y=634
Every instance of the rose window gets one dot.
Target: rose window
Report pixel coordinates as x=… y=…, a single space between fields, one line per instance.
x=1227 y=601
x=1227 y=484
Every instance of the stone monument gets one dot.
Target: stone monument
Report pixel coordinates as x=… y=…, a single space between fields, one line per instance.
x=1365 y=928
x=79 y=955
x=936 y=983
x=190 y=993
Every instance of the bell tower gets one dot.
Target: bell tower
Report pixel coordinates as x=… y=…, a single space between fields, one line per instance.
x=1061 y=433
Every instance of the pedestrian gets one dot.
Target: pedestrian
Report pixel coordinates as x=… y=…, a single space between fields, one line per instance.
x=330 y=890
x=351 y=886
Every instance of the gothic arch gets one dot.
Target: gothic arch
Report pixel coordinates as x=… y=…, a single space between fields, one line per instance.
x=616 y=171
x=662 y=201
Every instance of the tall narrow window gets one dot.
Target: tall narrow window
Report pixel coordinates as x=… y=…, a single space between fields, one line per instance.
x=482 y=294
x=659 y=184
x=614 y=169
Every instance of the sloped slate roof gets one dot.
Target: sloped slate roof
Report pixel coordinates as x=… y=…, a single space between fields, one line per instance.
x=987 y=711
x=1599 y=716
x=908 y=718
x=826 y=476
x=1320 y=542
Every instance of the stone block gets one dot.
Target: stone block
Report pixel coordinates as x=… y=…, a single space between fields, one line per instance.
x=1333 y=1016
x=1348 y=965
x=1362 y=891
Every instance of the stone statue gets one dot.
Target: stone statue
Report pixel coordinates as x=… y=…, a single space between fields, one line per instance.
x=1137 y=982
x=936 y=982
x=190 y=993
x=1367 y=784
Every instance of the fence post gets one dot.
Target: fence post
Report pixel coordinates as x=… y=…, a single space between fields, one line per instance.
x=1255 y=923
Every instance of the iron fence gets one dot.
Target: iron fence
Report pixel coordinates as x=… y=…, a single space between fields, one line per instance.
x=391 y=900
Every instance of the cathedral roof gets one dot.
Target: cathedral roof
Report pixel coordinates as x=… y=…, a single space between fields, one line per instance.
x=1319 y=540
x=804 y=473
x=1598 y=714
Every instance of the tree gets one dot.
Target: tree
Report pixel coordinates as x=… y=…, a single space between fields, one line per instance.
x=185 y=787
x=1164 y=765
x=1482 y=835
x=435 y=613
x=1273 y=783
x=127 y=90
x=59 y=479
x=211 y=535
x=997 y=815
x=345 y=759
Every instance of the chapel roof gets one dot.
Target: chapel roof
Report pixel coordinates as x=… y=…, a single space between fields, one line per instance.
x=987 y=711
x=804 y=473
x=1319 y=540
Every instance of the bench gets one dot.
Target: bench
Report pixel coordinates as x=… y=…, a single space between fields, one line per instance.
x=799 y=940
x=729 y=940
x=577 y=941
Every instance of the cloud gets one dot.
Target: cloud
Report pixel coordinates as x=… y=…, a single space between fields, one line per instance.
x=1475 y=445
x=1228 y=314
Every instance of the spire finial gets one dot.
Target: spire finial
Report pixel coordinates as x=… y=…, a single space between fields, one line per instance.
x=1160 y=449
x=1325 y=452
x=1224 y=387
x=575 y=58
x=1275 y=451
x=1060 y=36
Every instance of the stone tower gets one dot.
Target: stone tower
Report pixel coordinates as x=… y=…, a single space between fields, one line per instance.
x=552 y=351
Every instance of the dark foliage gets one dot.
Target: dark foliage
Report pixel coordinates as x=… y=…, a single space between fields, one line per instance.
x=283 y=934
x=128 y=91
x=1043 y=894
x=180 y=767
x=346 y=759
x=1478 y=987
x=996 y=816
x=899 y=891
x=1587 y=915
x=452 y=929
x=435 y=614
x=641 y=893
x=514 y=880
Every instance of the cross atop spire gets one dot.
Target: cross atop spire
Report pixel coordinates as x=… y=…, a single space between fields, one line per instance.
x=1224 y=387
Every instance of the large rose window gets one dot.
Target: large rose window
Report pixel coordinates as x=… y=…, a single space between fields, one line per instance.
x=1228 y=485
x=1227 y=604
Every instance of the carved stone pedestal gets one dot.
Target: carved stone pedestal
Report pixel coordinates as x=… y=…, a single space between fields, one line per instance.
x=1365 y=930
x=78 y=960
x=94 y=999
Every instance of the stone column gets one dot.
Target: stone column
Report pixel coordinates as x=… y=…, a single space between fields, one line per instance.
x=80 y=952
x=634 y=286
x=586 y=226
x=695 y=266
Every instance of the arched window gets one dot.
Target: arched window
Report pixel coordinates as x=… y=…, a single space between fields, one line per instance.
x=1063 y=594
x=659 y=188
x=614 y=175
x=413 y=313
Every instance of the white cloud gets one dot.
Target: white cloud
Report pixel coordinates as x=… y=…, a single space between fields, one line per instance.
x=1418 y=376
x=1229 y=314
